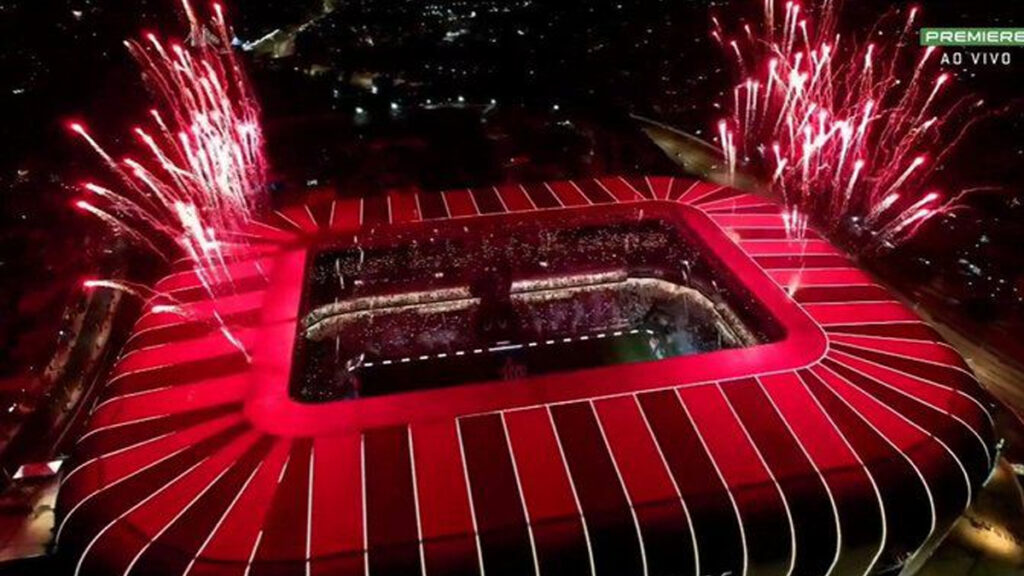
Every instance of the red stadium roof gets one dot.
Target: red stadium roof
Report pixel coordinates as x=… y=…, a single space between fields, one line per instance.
x=842 y=447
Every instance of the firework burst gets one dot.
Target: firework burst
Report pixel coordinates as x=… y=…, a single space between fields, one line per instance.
x=200 y=173
x=843 y=132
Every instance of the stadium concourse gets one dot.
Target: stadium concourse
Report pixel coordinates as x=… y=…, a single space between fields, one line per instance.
x=840 y=448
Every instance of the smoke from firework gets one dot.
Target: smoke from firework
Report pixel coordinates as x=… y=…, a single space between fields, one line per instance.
x=842 y=131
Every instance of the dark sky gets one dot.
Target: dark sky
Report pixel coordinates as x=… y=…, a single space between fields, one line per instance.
x=63 y=59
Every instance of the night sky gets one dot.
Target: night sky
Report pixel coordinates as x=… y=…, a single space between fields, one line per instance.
x=63 y=60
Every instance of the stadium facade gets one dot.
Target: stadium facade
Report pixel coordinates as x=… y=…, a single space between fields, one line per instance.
x=829 y=431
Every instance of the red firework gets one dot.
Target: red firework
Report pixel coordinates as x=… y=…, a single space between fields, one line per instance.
x=201 y=172
x=842 y=131
x=202 y=169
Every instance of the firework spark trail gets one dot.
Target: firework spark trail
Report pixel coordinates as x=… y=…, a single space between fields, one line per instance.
x=116 y=223
x=164 y=303
x=157 y=300
x=202 y=175
x=168 y=309
x=837 y=128
x=138 y=290
x=127 y=206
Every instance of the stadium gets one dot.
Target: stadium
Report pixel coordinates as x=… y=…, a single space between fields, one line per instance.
x=623 y=375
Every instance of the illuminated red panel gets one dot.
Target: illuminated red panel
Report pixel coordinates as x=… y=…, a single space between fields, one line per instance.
x=858 y=421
